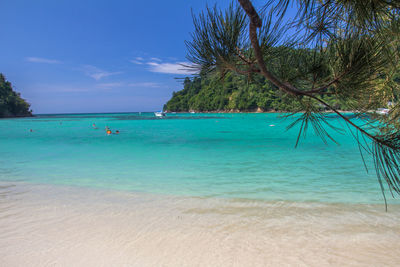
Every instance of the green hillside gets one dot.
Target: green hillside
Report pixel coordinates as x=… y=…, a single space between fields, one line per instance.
x=234 y=93
x=11 y=103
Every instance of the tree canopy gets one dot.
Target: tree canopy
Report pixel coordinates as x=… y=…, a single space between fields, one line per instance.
x=236 y=93
x=352 y=57
x=11 y=103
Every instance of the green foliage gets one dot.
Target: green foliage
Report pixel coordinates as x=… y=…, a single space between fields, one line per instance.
x=11 y=103
x=331 y=55
x=236 y=92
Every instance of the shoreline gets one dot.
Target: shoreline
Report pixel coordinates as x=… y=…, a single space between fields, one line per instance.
x=18 y=116
x=169 y=112
x=248 y=112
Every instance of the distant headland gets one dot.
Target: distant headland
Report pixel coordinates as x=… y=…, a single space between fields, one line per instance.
x=11 y=103
x=233 y=94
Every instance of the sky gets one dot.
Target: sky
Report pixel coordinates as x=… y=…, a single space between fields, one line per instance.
x=80 y=56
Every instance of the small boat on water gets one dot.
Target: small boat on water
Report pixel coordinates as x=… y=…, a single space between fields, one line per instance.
x=383 y=111
x=159 y=114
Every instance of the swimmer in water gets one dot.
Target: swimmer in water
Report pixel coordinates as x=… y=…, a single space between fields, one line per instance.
x=108 y=131
x=116 y=132
x=31 y=130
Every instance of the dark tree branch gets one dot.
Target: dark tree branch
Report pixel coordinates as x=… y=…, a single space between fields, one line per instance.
x=318 y=90
x=255 y=22
x=251 y=12
x=359 y=53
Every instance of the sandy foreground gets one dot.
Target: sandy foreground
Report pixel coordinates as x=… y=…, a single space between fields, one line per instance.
x=45 y=225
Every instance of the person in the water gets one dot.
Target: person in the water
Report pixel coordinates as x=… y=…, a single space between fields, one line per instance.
x=116 y=132
x=108 y=131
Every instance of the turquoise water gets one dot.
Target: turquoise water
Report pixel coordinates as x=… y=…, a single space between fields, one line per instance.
x=204 y=155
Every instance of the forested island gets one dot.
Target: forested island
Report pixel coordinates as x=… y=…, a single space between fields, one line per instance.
x=232 y=92
x=11 y=103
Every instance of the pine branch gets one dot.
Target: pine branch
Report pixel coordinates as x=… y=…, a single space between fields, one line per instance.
x=386 y=149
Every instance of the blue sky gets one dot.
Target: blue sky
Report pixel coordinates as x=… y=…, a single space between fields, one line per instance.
x=95 y=55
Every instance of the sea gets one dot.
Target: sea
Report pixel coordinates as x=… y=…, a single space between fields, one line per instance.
x=189 y=190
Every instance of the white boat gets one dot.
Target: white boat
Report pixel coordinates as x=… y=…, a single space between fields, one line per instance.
x=159 y=114
x=383 y=111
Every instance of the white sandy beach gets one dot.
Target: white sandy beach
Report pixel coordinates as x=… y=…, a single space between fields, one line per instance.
x=65 y=226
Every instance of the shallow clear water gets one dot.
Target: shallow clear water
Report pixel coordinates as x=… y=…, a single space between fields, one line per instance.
x=234 y=156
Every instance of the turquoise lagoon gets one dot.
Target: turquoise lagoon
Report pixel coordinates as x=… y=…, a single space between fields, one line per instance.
x=234 y=156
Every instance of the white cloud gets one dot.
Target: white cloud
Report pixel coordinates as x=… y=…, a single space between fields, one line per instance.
x=172 y=68
x=136 y=62
x=97 y=73
x=155 y=59
x=42 y=60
